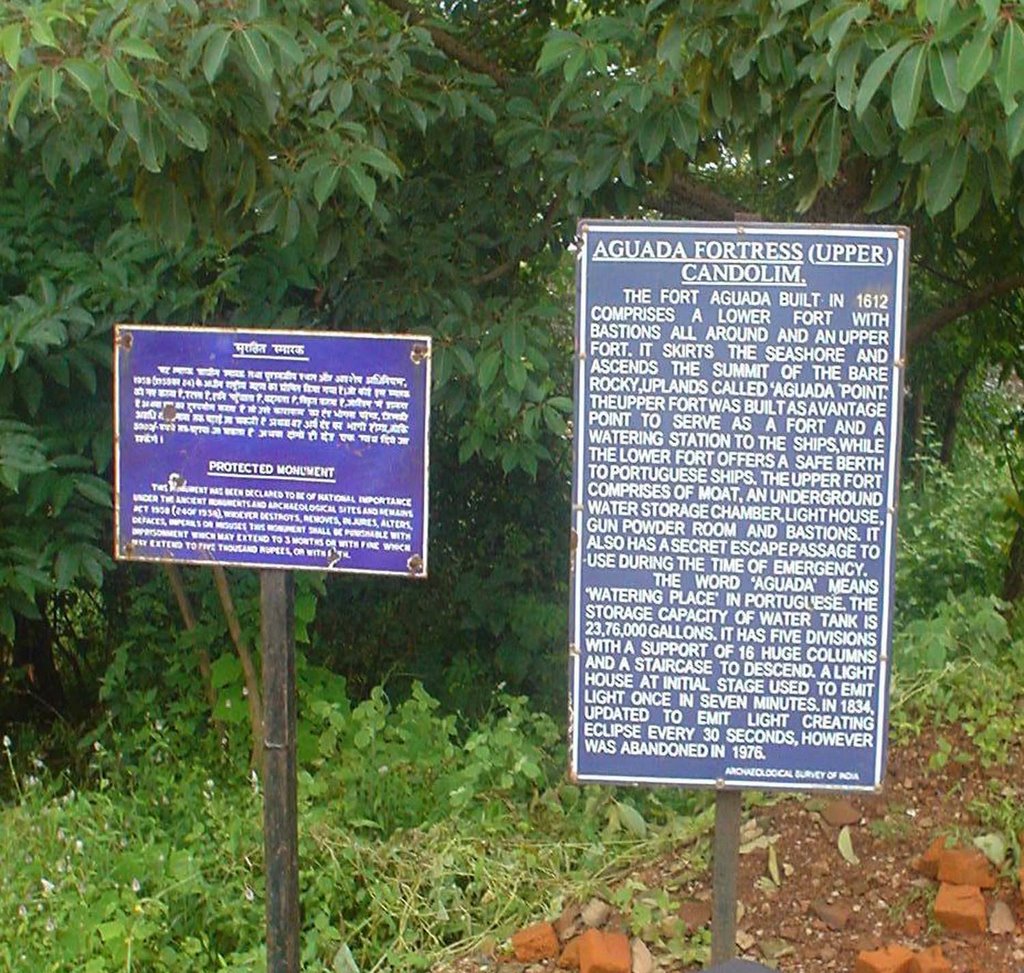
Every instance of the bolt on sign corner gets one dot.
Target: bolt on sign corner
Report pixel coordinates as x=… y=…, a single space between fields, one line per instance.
x=272 y=449
x=738 y=404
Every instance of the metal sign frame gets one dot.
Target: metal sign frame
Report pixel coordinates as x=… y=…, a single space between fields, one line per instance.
x=204 y=416
x=636 y=281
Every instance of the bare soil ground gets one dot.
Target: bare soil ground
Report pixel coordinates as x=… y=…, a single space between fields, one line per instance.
x=812 y=901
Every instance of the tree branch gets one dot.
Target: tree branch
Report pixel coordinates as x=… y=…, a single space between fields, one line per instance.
x=688 y=198
x=937 y=320
x=451 y=46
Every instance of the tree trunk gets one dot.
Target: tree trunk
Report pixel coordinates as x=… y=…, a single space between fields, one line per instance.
x=1013 y=577
x=956 y=401
x=33 y=653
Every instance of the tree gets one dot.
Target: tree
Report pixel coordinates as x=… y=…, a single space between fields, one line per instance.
x=395 y=165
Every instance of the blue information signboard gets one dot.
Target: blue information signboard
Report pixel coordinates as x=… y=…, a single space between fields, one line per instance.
x=272 y=449
x=739 y=394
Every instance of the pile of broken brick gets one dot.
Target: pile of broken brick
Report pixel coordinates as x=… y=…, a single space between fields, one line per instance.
x=963 y=874
x=590 y=939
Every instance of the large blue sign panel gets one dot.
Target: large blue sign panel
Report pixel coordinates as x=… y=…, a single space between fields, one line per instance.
x=278 y=449
x=737 y=416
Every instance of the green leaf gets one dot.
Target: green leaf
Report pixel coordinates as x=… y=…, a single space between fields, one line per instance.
x=631 y=819
x=283 y=40
x=846 y=74
x=191 y=131
x=10 y=44
x=175 y=217
x=558 y=45
x=945 y=84
x=256 y=54
x=86 y=75
x=670 y=43
x=341 y=96
x=42 y=32
x=513 y=340
x=94 y=490
x=515 y=374
x=488 y=368
x=17 y=95
x=945 y=177
x=974 y=60
x=846 y=846
x=969 y=201
x=121 y=79
x=875 y=74
x=362 y=182
x=828 y=149
x=1009 y=72
x=651 y=136
x=993 y=847
x=906 y=85
x=373 y=157
x=325 y=183
x=214 y=53
x=138 y=48
x=1015 y=133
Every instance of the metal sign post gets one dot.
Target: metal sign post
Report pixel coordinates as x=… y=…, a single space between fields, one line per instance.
x=280 y=815
x=738 y=402
x=275 y=450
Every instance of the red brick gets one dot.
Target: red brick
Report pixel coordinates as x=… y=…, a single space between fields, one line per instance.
x=930 y=960
x=928 y=864
x=535 y=942
x=890 y=959
x=965 y=866
x=960 y=908
x=570 y=958
x=604 y=952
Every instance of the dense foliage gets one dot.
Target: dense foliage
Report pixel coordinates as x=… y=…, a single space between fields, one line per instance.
x=386 y=165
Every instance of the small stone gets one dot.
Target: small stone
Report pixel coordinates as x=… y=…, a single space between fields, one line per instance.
x=930 y=960
x=1001 y=922
x=595 y=913
x=827 y=953
x=744 y=941
x=840 y=813
x=643 y=961
x=965 y=866
x=535 y=942
x=891 y=959
x=928 y=864
x=960 y=908
x=835 y=915
x=791 y=931
x=604 y=952
x=913 y=928
x=695 y=915
x=569 y=923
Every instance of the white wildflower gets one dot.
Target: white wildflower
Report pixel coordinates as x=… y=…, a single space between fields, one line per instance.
x=47 y=885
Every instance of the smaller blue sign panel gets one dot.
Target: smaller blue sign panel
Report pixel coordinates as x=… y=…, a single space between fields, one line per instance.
x=272 y=449
x=739 y=391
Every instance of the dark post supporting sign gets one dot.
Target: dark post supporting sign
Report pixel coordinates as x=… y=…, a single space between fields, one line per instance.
x=280 y=815
x=274 y=450
x=739 y=394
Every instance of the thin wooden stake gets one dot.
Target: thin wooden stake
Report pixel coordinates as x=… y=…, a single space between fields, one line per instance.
x=280 y=809
x=189 y=618
x=252 y=685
